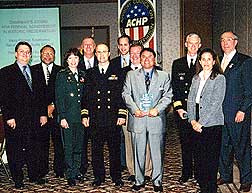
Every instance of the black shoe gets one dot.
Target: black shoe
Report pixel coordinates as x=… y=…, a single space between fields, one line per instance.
x=118 y=182
x=97 y=182
x=147 y=178
x=59 y=175
x=71 y=182
x=19 y=185
x=158 y=188
x=79 y=177
x=245 y=187
x=183 y=179
x=123 y=168
x=132 y=178
x=137 y=187
x=41 y=181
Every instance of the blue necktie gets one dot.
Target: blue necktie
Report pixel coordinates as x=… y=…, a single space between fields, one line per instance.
x=147 y=81
x=27 y=77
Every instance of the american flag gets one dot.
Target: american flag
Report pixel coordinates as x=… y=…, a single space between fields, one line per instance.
x=137 y=20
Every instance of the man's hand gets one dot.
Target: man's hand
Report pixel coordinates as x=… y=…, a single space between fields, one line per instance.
x=64 y=124
x=120 y=121
x=239 y=116
x=196 y=126
x=50 y=109
x=11 y=123
x=153 y=112
x=85 y=122
x=43 y=120
x=139 y=113
x=181 y=112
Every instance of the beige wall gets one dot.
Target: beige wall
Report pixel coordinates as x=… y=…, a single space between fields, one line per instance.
x=105 y=14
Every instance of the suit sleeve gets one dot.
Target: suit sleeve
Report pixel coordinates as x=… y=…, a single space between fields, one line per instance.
x=166 y=97
x=177 y=102
x=246 y=79
x=122 y=110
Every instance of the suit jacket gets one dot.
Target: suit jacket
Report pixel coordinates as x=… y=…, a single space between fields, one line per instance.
x=20 y=103
x=102 y=100
x=68 y=93
x=211 y=98
x=133 y=90
x=50 y=88
x=116 y=62
x=181 y=81
x=239 y=90
x=82 y=65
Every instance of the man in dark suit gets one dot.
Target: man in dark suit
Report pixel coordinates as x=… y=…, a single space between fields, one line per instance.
x=104 y=111
x=121 y=61
x=46 y=72
x=183 y=70
x=88 y=61
x=24 y=111
x=237 y=69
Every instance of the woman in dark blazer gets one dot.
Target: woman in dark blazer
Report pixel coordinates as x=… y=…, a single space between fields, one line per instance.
x=68 y=92
x=205 y=113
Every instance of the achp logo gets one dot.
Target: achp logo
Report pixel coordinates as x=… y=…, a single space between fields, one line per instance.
x=137 y=19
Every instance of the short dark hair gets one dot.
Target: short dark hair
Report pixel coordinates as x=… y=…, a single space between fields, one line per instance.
x=216 y=67
x=73 y=51
x=47 y=46
x=149 y=50
x=23 y=43
x=124 y=36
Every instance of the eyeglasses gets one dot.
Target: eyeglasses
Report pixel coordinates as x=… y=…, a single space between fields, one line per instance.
x=101 y=52
x=227 y=39
x=24 y=52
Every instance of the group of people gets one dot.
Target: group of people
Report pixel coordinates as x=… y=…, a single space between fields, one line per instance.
x=122 y=102
x=88 y=97
x=212 y=106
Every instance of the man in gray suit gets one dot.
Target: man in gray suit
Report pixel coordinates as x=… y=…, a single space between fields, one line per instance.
x=147 y=92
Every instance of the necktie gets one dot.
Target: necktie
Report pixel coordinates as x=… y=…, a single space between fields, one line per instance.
x=124 y=62
x=147 y=81
x=102 y=71
x=191 y=64
x=89 y=64
x=47 y=74
x=136 y=68
x=27 y=77
x=224 y=64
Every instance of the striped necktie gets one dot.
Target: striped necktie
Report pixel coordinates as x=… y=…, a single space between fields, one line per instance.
x=27 y=77
x=47 y=74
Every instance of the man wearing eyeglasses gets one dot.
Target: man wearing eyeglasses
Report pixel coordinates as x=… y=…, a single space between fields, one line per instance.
x=24 y=111
x=237 y=69
x=104 y=112
x=46 y=72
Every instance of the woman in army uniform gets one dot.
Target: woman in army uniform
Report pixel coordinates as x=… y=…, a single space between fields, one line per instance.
x=69 y=87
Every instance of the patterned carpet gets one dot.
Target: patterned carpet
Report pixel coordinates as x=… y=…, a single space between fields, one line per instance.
x=172 y=170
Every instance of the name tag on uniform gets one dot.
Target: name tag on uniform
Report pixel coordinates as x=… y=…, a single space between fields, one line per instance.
x=146 y=102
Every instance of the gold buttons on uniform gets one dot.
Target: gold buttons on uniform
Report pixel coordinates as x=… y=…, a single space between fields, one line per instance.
x=108 y=107
x=78 y=101
x=98 y=99
x=98 y=107
x=98 y=92
x=71 y=94
x=78 y=89
x=78 y=95
x=108 y=91
x=186 y=91
x=108 y=99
